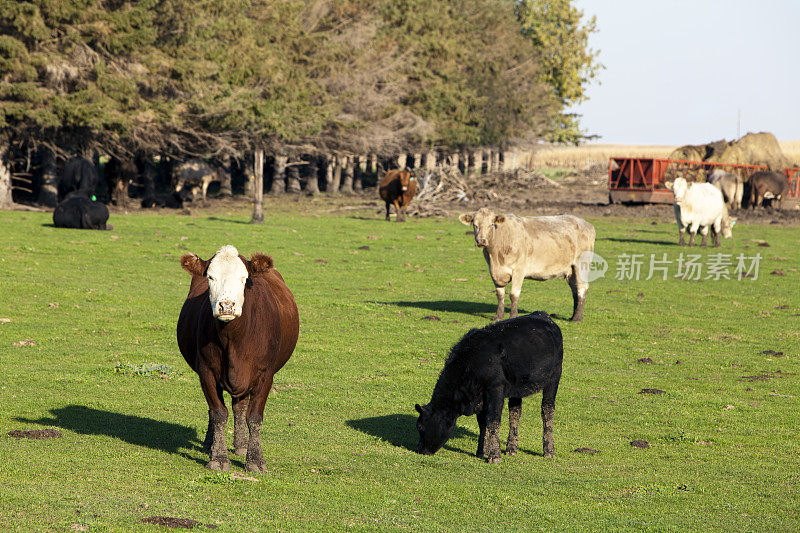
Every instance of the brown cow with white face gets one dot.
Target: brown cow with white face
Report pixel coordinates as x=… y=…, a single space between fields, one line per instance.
x=238 y=327
x=397 y=188
x=539 y=248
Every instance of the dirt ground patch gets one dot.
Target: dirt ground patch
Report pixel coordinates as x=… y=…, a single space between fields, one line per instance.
x=35 y=434
x=582 y=193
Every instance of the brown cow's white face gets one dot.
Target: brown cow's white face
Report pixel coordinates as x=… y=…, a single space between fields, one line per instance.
x=227 y=276
x=405 y=179
x=483 y=222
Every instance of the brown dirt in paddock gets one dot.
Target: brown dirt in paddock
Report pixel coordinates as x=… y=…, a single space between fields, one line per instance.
x=765 y=376
x=651 y=391
x=35 y=434
x=582 y=193
x=176 y=523
x=638 y=443
x=588 y=451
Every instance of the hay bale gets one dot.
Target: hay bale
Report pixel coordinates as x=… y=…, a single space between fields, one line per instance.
x=752 y=149
x=763 y=149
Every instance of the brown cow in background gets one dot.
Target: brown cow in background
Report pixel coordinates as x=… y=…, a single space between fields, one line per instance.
x=238 y=327
x=397 y=188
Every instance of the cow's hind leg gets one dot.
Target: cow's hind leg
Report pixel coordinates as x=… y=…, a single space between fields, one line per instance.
x=579 y=289
x=254 y=461
x=240 y=425
x=218 y=417
x=387 y=211
x=514 y=414
x=482 y=433
x=548 y=412
x=704 y=233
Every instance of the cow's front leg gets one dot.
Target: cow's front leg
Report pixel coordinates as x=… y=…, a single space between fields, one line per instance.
x=501 y=303
x=387 y=211
x=401 y=217
x=704 y=233
x=514 y=414
x=493 y=403
x=482 y=433
x=209 y=438
x=681 y=236
x=516 y=288
x=240 y=425
x=218 y=417
x=255 y=416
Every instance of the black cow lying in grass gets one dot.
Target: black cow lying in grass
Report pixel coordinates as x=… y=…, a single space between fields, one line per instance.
x=79 y=212
x=509 y=359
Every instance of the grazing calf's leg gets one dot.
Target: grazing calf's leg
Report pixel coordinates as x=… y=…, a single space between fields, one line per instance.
x=548 y=411
x=482 y=433
x=218 y=417
x=493 y=404
x=240 y=425
x=514 y=414
x=516 y=288
x=255 y=415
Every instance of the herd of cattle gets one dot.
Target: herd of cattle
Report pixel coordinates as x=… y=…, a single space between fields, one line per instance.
x=239 y=324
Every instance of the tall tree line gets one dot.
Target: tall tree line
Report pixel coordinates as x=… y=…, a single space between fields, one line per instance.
x=215 y=77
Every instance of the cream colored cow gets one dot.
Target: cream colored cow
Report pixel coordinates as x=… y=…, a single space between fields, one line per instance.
x=539 y=248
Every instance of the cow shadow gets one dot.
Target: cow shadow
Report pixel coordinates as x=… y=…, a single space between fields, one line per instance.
x=640 y=241
x=229 y=220
x=398 y=430
x=136 y=430
x=453 y=306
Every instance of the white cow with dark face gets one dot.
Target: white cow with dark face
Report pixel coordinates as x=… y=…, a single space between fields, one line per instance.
x=227 y=276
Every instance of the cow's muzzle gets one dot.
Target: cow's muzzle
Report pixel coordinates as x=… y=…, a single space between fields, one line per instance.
x=481 y=242
x=404 y=189
x=226 y=311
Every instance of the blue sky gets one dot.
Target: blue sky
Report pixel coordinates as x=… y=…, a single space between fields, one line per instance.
x=679 y=71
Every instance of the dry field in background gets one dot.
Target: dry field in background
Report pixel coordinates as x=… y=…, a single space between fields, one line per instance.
x=589 y=155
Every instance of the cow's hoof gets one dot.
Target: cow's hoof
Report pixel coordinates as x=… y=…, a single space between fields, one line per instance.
x=510 y=452
x=256 y=467
x=493 y=460
x=497 y=318
x=241 y=451
x=576 y=319
x=218 y=465
x=549 y=455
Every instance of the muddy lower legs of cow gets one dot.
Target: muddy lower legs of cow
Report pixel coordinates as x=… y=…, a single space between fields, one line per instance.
x=254 y=461
x=493 y=404
x=501 y=303
x=514 y=414
x=240 y=425
x=217 y=418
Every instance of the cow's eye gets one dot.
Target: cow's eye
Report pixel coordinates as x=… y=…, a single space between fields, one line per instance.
x=210 y=278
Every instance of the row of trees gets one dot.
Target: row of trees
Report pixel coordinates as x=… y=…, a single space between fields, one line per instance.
x=214 y=77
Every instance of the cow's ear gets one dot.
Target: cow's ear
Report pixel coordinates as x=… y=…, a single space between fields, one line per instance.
x=499 y=219
x=668 y=185
x=194 y=265
x=259 y=264
x=733 y=222
x=466 y=219
x=419 y=408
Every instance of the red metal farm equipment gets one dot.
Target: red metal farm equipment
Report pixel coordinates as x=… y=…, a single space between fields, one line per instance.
x=642 y=180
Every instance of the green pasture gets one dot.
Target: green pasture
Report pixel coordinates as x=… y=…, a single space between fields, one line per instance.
x=87 y=347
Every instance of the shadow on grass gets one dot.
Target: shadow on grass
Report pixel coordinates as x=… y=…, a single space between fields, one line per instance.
x=229 y=220
x=640 y=241
x=453 y=306
x=401 y=431
x=137 y=430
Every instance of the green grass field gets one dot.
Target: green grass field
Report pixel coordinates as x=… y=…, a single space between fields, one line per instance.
x=87 y=347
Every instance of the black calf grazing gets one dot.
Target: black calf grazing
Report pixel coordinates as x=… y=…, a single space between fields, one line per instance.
x=509 y=359
x=79 y=212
